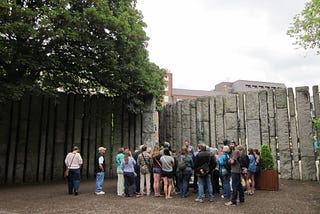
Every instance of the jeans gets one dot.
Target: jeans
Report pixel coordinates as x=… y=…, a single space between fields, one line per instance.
x=226 y=185
x=73 y=180
x=129 y=180
x=202 y=182
x=236 y=187
x=184 y=179
x=99 y=181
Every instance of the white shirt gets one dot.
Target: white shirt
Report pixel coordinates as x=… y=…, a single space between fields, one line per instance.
x=73 y=160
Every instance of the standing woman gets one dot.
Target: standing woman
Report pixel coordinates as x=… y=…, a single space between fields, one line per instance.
x=157 y=170
x=185 y=174
x=73 y=162
x=127 y=164
x=120 y=183
x=251 y=173
x=167 y=163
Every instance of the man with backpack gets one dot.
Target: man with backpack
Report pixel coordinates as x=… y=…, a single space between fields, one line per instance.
x=236 y=178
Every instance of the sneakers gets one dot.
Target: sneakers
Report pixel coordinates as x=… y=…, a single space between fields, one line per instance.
x=230 y=204
x=100 y=193
x=199 y=200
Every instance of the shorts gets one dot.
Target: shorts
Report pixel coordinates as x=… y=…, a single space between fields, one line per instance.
x=167 y=174
x=157 y=171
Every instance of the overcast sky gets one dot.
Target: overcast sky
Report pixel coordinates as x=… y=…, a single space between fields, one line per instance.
x=205 y=42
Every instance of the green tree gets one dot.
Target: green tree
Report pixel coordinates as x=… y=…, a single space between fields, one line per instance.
x=306 y=26
x=84 y=47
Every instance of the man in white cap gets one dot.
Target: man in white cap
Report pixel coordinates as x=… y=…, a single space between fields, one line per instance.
x=100 y=169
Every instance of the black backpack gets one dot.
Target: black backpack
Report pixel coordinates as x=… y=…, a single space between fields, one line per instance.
x=243 y=160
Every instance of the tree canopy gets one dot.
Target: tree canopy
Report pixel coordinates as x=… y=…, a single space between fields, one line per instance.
x=83 y=47
x=306 y=26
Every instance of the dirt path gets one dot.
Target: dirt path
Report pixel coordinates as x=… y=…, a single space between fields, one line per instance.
x=293 y=197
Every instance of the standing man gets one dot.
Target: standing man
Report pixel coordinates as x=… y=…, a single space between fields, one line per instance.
x=236 y=178
x=101 y=166
x=189 y=148
x=203 y=167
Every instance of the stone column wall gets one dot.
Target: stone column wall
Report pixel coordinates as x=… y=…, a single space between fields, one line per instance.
x=305 y=133
x=273 y=117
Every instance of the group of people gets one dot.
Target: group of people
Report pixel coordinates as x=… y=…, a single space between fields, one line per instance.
x=161 y=170
x=244 y=166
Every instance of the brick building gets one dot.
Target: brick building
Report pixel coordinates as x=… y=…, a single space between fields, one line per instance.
x=173 y=95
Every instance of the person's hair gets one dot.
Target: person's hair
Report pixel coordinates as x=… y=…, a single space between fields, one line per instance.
x=202 y=147
x=226 y=142
x=250 y=151
x=127 y=154
x=256 y=151
x=155 y=151
x=166 y=144
x=120 y=150
x=166 y=152
x=184 y=151
x=144 y=148
x=234 y=142
x=240 y=147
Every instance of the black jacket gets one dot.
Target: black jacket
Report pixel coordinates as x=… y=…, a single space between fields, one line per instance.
x=201 y=158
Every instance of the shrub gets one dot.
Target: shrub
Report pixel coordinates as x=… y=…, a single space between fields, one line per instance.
x=267 y=161
x=316 y=123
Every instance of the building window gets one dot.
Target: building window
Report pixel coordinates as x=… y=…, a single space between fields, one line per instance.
x=166 y=88
x=248 y=86
x=166 y=78
x=166 y=99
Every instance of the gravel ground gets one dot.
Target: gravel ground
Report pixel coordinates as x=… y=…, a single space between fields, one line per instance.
x=293 y=197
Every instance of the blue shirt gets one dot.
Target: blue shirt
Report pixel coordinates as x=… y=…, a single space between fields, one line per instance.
x=252 y=164
x=222 y=159
x=129 y=167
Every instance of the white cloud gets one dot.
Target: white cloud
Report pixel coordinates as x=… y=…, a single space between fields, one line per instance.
x=205 y=42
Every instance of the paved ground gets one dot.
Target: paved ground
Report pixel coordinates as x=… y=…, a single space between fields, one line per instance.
x=293 y=197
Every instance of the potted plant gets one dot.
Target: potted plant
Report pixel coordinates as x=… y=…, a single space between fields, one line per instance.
x=268 y=177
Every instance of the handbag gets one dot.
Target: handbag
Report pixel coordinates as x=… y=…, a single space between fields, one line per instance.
x=66 y=172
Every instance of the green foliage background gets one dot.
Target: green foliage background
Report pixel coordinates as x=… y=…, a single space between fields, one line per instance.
x=82 y=47
x=306 y=26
